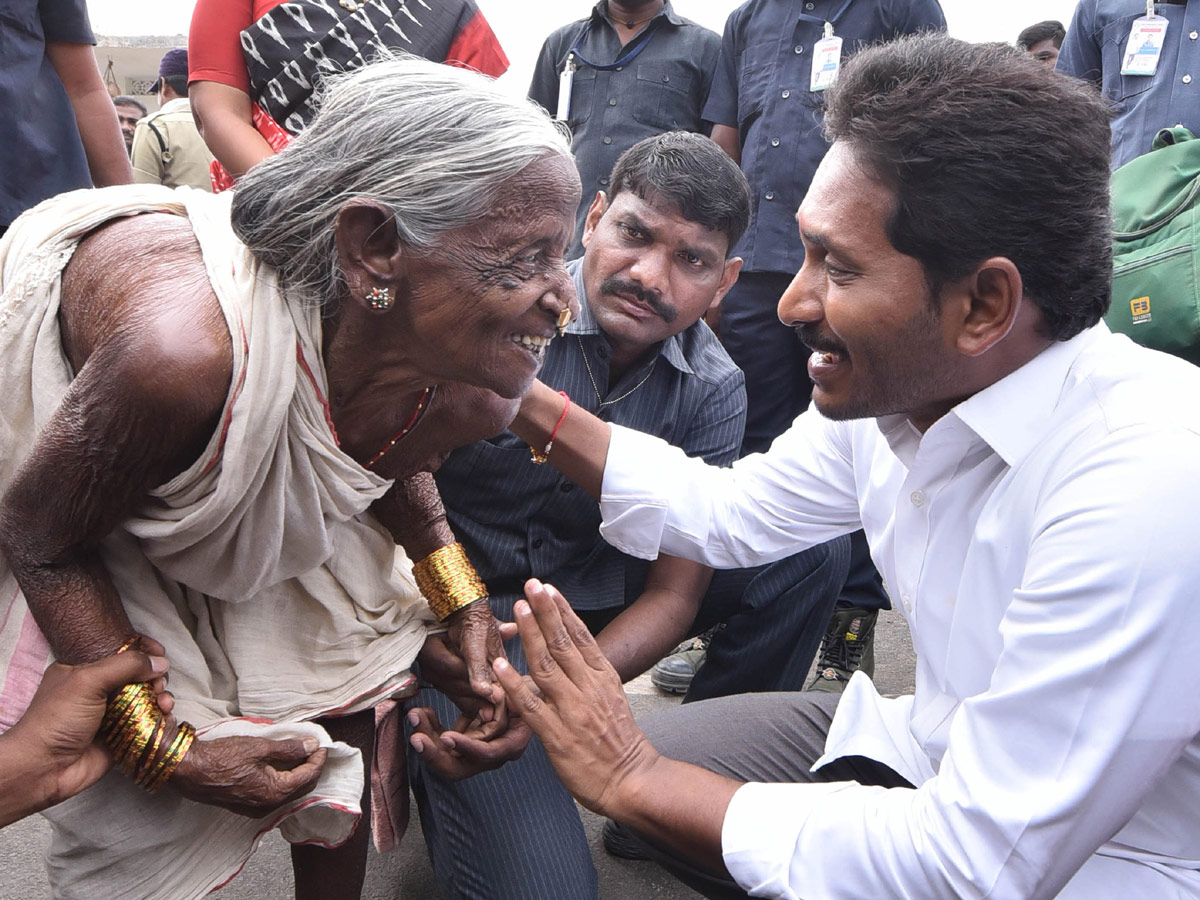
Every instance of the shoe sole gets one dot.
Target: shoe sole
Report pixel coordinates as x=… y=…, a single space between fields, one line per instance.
x=670 y=685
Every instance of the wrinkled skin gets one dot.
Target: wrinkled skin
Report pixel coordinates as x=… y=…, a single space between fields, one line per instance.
x=153 y=361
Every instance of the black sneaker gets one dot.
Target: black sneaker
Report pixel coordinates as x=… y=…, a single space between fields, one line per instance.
x=848 y=645
x=620 y=841
x=674 y=673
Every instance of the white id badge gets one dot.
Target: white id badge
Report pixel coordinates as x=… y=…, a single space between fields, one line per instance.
x=827 y=62
x=1144 y=46
x=565 y=79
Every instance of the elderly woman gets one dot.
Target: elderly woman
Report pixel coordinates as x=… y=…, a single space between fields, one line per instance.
x=215 y=414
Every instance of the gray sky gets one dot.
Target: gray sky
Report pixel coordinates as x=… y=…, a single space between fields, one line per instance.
x=522 y=24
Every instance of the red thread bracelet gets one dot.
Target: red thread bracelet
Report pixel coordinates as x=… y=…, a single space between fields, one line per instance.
x=540 y=457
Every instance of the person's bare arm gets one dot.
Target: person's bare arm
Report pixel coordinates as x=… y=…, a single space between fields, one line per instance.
x=153 y=364
x=223 y=116
x=654 y=623
x=94 y=112
x=585 y=723
x=51 y=754
x=581 y=444
x=726 y=137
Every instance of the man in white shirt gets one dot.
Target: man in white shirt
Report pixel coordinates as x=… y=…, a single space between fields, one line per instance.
x=1029 y=486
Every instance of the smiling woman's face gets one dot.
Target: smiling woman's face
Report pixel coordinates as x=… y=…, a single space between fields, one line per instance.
x=483 y=303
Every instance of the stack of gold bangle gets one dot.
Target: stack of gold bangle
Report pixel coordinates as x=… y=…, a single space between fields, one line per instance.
x=448 y=580
x=134 y=727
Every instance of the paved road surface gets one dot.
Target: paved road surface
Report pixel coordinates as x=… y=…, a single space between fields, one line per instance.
x=405 y=873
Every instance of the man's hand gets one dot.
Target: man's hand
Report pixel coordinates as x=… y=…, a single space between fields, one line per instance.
x=248 y=775
x=55 y=755
x=582 y=715
x=468 y=748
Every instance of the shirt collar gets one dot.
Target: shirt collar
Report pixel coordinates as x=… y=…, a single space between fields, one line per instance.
x=1013 y=414
x=585 y=323
x=598 y=13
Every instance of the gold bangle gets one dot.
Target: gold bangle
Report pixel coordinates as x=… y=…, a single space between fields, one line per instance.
x=170 y=761
x=146 y=763
x=448 y=580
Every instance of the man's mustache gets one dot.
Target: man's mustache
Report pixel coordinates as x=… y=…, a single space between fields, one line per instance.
x=812 y=338
x=650 y=298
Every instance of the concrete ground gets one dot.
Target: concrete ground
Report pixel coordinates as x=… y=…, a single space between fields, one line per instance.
x=405 y=874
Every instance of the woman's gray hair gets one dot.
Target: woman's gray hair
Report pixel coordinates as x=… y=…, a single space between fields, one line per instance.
x=430 y=142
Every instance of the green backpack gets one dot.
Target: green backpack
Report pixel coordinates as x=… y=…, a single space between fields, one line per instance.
x=1156 y=246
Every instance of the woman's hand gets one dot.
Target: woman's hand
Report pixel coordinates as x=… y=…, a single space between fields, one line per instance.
x=475 y=634
x=466 y=749
x=248 y=775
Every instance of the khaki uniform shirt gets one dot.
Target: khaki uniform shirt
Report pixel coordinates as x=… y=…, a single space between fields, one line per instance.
x=181 y=157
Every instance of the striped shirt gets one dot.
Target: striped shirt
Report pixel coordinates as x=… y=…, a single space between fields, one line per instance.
x=518 y=520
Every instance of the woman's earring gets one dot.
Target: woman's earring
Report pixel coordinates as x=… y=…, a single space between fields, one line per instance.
x=379 y=299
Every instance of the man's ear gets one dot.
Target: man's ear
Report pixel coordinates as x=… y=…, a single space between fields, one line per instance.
x=990 y=300
x=729 y=277
x=595 y=213
x=369 y=249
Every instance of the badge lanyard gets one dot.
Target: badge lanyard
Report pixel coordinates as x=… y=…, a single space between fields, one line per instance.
x=827 y=52
x=1145 y=44
x=565 y=78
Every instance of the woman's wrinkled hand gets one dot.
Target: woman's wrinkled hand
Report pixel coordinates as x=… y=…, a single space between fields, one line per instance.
x=248 y=775
x=476 y=637
x=466 y=749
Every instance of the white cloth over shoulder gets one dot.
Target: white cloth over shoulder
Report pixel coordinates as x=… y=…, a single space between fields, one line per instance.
x=277 y=595
x=1040 y=540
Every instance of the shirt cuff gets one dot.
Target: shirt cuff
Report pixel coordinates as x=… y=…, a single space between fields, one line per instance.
x=633 y=516
x=762 y=828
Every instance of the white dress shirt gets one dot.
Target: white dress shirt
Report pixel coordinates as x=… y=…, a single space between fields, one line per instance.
x=1043 y=542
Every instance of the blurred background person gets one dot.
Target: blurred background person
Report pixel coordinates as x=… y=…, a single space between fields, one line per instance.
x=1042 y=41
x=254 y=64
x=167 y=147
x=130 y=111
x=630 y=70
x=59 y=125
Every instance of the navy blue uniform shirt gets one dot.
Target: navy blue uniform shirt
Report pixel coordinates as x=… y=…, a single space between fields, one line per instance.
x=761 y=88
x=518 y=520
x=1093 y=49
x=43 y=154
x=663 y=88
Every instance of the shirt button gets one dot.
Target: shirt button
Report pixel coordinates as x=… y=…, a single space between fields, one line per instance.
x=1194 y=35
x=770 y=195
x=1187 y=79
x=619 y=68
x=608 y=140
x=566 y=487
x=917 y=498
x=604 y=179
x=666 y=78
x=537 y=542
x=799 y=48
x=809 y=5
x=907 y=603
x=786 y=94
x=612 y=101
x=602 y=351
x=774 y=142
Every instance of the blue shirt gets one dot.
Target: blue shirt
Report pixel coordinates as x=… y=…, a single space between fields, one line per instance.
x=663 y=88
x=519 y=520
x=1093 y=48
x=43 y=154
x=761 y=88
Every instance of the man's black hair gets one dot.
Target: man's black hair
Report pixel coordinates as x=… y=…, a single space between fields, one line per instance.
x=989 y=154
x=1050 y=30
x=177 y=83
x=124 y=100
x=693 y=174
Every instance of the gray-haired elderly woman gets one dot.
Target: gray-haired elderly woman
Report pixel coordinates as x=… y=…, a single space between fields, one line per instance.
x=217 y=421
